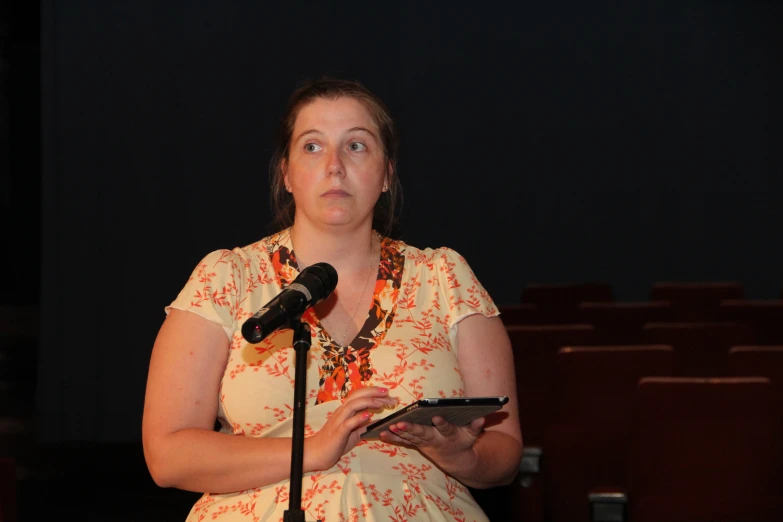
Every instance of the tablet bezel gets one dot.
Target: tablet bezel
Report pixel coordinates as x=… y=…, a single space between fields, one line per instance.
x=457 y=410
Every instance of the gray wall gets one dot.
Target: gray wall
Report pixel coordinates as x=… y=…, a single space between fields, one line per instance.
x=546 y=142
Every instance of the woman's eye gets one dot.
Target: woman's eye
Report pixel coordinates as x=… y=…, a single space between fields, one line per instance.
x=356 y=146
x=312 y=147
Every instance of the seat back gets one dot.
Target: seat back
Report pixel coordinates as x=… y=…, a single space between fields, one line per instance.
x=696 y=301
x=700 y=349
x=519 y=313
x=557 y=302
x=704 y=449
x=595 y=384
x=585 y=443
x=759 y=361
x=535 y=350
x=621 y=322
x=751 y=361
x=764 y=315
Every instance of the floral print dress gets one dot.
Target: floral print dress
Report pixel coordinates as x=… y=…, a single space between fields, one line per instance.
x=407 y=344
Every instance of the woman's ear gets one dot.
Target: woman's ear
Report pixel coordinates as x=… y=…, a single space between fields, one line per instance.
x=286 y=182
x=389 y=174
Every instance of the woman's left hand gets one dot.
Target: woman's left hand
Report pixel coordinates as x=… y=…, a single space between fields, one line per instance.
x=447 y=445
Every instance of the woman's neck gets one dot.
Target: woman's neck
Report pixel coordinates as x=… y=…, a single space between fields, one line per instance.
x=346 y=250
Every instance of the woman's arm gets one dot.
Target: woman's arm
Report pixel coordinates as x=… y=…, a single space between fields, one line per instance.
x=182 y=449
x=479 y=458
x=487 y=365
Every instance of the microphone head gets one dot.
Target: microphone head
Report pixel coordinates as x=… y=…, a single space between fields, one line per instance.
x=320 y=279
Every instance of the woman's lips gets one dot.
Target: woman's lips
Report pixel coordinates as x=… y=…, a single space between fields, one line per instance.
x=335 y=193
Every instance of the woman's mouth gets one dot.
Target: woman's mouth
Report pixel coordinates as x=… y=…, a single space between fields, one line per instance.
x=335 y=193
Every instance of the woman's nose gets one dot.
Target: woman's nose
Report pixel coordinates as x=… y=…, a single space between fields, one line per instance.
x=335 y=165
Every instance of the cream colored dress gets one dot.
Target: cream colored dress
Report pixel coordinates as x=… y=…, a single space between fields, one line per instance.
x=408 y=344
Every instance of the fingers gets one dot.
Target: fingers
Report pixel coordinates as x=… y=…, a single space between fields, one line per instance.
x=387 y=436
x=445 y=428
x=380 y=395
x=413 y=433
x=443 y=431
x=357 y=421
x=477 y=425
x=367 y=391
x=359 y=405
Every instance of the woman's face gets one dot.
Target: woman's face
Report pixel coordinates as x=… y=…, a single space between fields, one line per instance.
x=336 y=167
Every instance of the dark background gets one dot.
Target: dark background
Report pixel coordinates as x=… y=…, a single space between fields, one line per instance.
x=545 y=141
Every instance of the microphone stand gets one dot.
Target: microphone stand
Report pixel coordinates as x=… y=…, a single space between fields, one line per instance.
x=302 y=341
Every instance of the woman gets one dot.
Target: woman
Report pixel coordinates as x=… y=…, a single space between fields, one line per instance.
x=402 y=324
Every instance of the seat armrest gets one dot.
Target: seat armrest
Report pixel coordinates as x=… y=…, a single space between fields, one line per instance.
x=607 y=506
x=531 y=460
x=529 y=465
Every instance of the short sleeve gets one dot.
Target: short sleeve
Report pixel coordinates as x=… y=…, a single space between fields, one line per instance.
x=214 y=288
x=462 y=291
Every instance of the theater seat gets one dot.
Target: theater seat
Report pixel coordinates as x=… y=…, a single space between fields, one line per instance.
x=622 y=322
x=763 y=361
x=557 y=302
x=696 y=301
x=586 y=440
x=535 y=349
x=765 y=315
x=705 y=450
x=700 y=349
x=520 y=313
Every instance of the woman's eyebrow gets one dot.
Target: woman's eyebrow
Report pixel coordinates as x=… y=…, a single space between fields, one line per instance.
x=352 y=129
x=309 y=131
x=363 y=129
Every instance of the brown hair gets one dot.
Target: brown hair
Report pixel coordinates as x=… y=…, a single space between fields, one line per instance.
x=283 y=207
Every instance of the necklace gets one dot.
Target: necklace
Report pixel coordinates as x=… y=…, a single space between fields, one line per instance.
x=341 y=342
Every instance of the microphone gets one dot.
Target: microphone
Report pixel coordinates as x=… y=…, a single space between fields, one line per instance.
x=311 y=286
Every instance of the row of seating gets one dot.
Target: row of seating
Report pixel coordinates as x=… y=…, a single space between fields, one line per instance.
x=623 y=321
x=676 y=291
x=695 y=349
x=621 y=422
x=687 y=301
x=700 y=348
x=666 y=409
x=621 y=426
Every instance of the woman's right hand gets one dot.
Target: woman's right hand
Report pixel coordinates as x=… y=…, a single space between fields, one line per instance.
x=341 y=432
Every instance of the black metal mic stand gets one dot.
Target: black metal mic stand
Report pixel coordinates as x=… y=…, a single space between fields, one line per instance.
x=302 y=343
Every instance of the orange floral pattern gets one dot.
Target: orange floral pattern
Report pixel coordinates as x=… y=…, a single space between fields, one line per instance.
x=409 y=331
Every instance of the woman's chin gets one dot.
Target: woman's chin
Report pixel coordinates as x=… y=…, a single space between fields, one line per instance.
x=338 y=216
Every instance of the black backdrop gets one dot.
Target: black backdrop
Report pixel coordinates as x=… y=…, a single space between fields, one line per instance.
x=545 y=141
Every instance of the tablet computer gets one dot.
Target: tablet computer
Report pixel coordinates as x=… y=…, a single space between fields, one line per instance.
x=456 y=410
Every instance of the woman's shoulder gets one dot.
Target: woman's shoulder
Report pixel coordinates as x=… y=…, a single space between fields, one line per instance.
x=253 y=256
x=429 y=256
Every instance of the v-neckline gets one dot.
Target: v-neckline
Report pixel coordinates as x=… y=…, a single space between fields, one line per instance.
x=311 y=311
x=326 y=333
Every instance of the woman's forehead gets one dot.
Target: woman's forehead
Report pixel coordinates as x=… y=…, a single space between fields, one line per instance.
x=341 y=113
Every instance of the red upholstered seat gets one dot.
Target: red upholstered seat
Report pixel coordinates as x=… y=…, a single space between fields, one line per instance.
x=535 y=358
x=705 y=450
x=621 y=322
x=557 y=302
x=696 y=301
x=520 y=313
x=586 y=440
x=765 y=315
x=700 y=349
